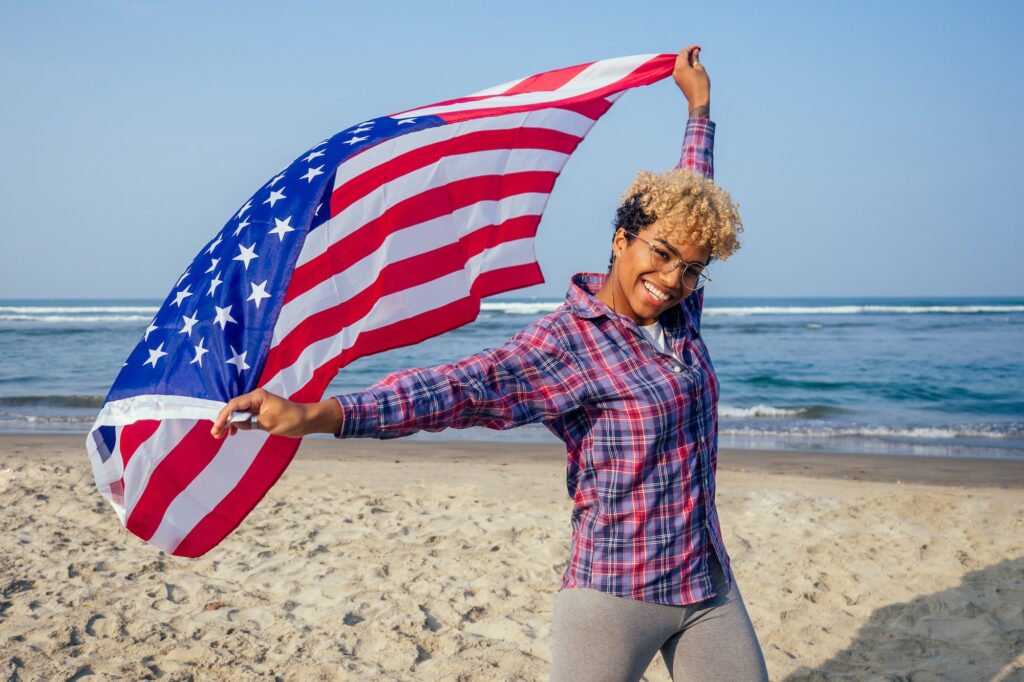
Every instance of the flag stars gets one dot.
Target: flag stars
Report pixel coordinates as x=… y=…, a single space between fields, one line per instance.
x=214 y=283
x=241 y=226
x=223 y=316
x=213 y=265
x=238 y=360
x=154 y=355
x=356 y=140
x=181 y=296
x=312 y=173
x=189 y=323
x=245 y=208
x=200 y=352
x=182 y=278
x=313 y=155
x=276 y=179
x=246 y=254
x=275 y=196
x=215 y=244
x=259 y=292
x=406 y=120
x=149 y=330
x=281 y=227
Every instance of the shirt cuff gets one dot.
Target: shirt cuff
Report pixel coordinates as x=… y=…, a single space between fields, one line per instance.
x=361 y=415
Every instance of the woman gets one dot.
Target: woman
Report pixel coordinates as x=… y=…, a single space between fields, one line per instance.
x=620 y=373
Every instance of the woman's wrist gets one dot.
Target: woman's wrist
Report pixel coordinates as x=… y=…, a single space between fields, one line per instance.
x=700 y=110
x=324 y=417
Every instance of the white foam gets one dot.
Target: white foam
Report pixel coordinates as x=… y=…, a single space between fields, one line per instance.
x=860 y=310
x=760 y=410
x=75 y=318
x=84 y=310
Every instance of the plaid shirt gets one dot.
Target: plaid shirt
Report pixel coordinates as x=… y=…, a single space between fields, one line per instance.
x=640 y=428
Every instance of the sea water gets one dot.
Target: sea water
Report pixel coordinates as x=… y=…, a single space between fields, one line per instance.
x=932 y=376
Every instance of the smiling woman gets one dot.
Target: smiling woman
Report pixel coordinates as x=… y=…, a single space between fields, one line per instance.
x=621 y=375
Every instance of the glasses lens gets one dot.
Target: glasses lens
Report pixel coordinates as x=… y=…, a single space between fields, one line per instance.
x=694 y=277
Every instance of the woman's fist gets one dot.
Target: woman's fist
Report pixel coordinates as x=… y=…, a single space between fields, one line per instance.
x=693 y=80
x=279 y=416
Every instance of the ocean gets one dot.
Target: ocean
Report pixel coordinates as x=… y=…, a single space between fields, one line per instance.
x=917 y=376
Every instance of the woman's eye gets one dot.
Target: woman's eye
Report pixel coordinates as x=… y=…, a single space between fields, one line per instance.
x=662 y=255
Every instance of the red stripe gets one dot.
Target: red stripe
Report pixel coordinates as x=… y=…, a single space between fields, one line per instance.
x=135 y=434
x=546 y=82
x=393 y=278
x=481 y=141
x=268 y=465
x=423 y=326
x=433 y=203
x=181 y=465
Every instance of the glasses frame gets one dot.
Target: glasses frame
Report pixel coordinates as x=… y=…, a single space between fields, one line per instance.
x=702 y=277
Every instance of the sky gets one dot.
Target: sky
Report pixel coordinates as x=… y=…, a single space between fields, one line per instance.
x=875 y=149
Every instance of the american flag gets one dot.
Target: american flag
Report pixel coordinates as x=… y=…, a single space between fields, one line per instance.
x=384 y=235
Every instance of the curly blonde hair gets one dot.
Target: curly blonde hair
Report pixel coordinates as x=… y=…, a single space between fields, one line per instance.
x=689 y=207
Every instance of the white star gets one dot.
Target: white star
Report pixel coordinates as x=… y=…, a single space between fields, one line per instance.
x=154 y=355
x=316 y=211
x=200 y=352
x=223 y=317
x=312 y=173
x=259 y=292
x=246 y=254
x=321 y=143
x=181 y=296
x=406 y=120
x=281 y=227
x=313 y=155
x=238 y=359
x=245 y=208
x=358 y=130
x=241 y=226
x=365 y=123
x=151 y=328
x=189 y=323
x=356 y=139
x=182 y=278
x=275 y=196
x=215 y=244
x=213 y=265
x=275 y=179
x=214 y=283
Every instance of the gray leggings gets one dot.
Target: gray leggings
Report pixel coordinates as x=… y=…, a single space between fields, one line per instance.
x=598 y=636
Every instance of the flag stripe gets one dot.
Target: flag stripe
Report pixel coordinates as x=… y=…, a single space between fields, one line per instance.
x=424 y=325
x=393 y=307
x=394 y=278
x=398 y=246
x=552 y=80
x=275 y=455
x=186 y=459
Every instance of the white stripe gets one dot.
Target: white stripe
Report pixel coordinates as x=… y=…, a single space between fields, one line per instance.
x=597 y=75
x=399 y=306
x=398 y=246
x=136 y=408
x=106 y=473
x=498 y=89
x=207 y=489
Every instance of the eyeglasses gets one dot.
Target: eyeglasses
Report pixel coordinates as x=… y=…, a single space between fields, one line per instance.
x=694 y=274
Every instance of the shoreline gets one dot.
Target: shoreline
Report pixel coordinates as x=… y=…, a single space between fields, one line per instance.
x=909 y=469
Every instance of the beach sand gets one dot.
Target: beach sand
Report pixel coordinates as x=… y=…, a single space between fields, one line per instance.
x=427 y=560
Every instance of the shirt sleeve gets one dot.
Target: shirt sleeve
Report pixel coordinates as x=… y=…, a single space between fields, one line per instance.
x=529 y=379
x=699 y=147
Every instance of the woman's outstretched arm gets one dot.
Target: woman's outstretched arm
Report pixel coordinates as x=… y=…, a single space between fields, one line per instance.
x=699 y=138
x=529 y=379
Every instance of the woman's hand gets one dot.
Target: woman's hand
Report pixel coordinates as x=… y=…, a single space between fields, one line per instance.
x=279 y=416
x=693 y=80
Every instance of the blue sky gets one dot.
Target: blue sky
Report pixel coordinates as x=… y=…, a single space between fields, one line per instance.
x=875 y=148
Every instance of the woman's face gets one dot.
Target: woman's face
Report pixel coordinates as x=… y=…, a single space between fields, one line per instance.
x=642 y=292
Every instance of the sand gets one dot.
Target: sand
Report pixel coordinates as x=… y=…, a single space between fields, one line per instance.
x=410 y=560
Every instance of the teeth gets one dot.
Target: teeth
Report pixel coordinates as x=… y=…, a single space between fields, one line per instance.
x=655 y=293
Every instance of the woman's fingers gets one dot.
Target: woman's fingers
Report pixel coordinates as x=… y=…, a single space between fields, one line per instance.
x=243 y=403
